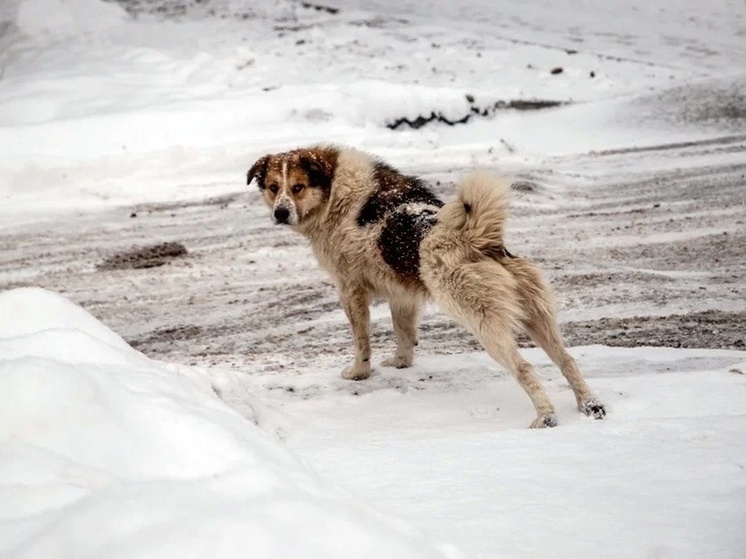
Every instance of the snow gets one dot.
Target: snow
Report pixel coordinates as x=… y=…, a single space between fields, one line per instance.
x=107 y=453
x=92 y=431
x=63 y=17
x=110 y=110
x=663 y=476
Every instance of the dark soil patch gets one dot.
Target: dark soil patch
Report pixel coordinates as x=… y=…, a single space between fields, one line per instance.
x=694 y=254
x=707 y=329
x=150 y=256
x=319 y=8
x=524 y=186
x=168 y=335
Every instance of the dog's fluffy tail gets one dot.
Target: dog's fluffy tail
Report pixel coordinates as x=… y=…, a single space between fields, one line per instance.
x=479 y=212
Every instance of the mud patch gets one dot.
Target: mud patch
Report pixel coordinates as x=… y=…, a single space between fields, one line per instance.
x=319 y=8
x=708 y=329
x=167 y=335
x=699 y=253
x=150 y=256
x=524 y=186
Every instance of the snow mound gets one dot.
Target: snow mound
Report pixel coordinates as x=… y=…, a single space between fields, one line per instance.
x=31 y=310
x=104 y=453
x=380 y=103
x=34 y=17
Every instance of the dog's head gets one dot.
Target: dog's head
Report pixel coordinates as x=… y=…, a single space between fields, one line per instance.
x=295 y=184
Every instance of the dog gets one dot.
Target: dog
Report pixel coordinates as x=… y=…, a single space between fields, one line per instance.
x=381 y=233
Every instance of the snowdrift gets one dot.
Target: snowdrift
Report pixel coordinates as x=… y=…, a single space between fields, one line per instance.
x=105 y=453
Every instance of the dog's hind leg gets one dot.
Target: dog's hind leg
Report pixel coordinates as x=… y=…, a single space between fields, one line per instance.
x=482 y=297
x=503 y=349
x=355 y=302
x=404 y=315
x=544 y=331
x=540 y=322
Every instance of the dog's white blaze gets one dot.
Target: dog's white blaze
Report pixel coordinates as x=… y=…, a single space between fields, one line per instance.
x=285 y=200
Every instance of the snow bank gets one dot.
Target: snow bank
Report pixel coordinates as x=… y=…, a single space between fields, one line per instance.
x=104 y=453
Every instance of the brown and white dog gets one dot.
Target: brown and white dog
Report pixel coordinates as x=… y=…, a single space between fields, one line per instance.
x=380 y=233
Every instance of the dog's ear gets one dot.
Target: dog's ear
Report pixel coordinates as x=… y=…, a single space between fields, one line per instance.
x=257 y=171
x=320 y=167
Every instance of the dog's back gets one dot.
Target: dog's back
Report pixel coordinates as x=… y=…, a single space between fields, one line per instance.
x=375 y=220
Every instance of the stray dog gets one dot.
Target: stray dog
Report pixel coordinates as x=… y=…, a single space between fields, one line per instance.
x=380 y=233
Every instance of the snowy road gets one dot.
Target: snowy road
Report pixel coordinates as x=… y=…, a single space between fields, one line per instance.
x=643 y=247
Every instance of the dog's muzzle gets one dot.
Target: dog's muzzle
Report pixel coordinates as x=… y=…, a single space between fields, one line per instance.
x=282 y=215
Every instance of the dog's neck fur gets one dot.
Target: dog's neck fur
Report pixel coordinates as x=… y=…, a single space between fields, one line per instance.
x=352 y=168
x=319 y=223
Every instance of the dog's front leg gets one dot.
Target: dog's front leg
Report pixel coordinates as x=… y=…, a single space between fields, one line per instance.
x=404 y=315
x=355 y=302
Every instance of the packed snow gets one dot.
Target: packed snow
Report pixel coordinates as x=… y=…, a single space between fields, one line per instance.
x=105 y=452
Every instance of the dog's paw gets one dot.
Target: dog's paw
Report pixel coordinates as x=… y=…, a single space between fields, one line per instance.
x=356 y=372
x=592 y=408
x=543 y=421
x=398 y=361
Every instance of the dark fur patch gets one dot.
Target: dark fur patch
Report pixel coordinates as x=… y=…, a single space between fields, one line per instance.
x=394 y=189
x=257 y=171
x=400 y=240
x=320 y=165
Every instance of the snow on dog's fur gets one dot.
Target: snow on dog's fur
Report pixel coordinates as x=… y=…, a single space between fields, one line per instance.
x=380 y=233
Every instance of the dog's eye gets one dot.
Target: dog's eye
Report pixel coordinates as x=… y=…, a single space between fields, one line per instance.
x=273 y=188
x=298 y=187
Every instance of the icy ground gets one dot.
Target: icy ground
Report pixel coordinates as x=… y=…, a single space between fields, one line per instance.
x=119 y=130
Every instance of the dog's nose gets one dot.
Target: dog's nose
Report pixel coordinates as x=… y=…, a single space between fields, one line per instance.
x=282 y=215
